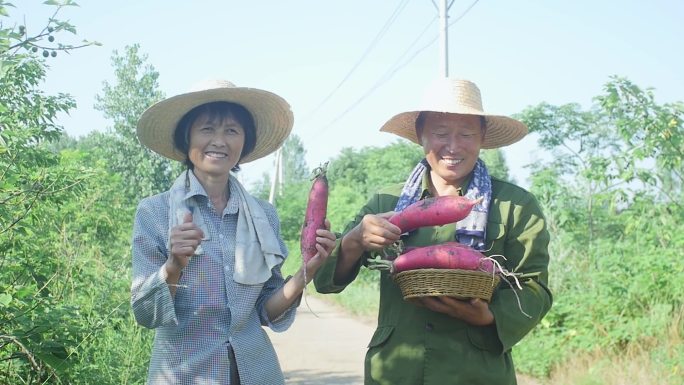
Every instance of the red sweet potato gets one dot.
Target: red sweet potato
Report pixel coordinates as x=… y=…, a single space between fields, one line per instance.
x=450 y=255
x=435 y=211
x=316 y=211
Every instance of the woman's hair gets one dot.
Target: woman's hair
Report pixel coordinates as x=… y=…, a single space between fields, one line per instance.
x=420 y=124
x=215 y=111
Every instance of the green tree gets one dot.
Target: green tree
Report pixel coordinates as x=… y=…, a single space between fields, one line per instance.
x=295 y=169
x=37 y=334
x=496 y=164
x=612 y=197
x=135 y=89
x=371 y=168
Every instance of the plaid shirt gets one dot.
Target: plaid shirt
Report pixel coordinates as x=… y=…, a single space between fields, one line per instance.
x=210 y=312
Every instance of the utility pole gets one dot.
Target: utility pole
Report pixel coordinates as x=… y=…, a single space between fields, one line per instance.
x=278 y=174
x=444 y=37
x=281 y=166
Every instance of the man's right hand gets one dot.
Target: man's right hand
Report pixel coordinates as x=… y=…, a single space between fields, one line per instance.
x=374 y=232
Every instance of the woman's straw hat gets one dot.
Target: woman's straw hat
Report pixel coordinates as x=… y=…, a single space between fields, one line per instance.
x=273 y=118
x=458 y=97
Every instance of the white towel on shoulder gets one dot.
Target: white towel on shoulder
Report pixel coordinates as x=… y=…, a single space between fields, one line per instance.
x=257 y=249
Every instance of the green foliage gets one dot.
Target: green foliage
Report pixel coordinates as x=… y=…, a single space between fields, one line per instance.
x=651 y=131
x=64 y=230
x=496 y=164
x=612 y=196
x=46 y=42
x=136 y=88
x=370 y=168
x=34 y=337
x=295 y=169
x=291 y=206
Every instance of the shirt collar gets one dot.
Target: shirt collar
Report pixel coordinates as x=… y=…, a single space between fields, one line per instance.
x=426 y=184
x=195 y=186
x=196 y=189
x=233 y=199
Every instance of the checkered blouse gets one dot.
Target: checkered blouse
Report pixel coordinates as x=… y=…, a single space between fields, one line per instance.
x=210 y=311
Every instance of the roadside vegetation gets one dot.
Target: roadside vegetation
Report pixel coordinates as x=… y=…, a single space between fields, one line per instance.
x=611 y=188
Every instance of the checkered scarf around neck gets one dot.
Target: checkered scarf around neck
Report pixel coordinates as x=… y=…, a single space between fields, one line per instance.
x=472 y=229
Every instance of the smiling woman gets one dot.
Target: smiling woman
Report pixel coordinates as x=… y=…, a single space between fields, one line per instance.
x=206 y=254
x=220 y=127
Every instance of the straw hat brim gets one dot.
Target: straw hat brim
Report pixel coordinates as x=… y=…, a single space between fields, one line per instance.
x=273 y=119
x=501 y=130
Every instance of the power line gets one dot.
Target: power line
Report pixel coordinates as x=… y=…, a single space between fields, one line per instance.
x=381 y=33
x=463 y=13
x=393 y=69
x=388 y=75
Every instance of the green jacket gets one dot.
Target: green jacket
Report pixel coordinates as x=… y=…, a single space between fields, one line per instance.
x=413 y=345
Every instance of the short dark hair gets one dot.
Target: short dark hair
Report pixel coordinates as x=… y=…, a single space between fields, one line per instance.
x=215 y=111
x=420 y=124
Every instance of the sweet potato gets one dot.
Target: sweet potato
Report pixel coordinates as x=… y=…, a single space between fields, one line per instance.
x=316 y=211
x=450 y=255
x=435 y=211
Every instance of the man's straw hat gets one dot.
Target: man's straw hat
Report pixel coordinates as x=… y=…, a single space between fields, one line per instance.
x=272 y=116
x=458 y=97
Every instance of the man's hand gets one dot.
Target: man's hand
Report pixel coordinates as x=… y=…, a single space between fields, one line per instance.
x=474 y=311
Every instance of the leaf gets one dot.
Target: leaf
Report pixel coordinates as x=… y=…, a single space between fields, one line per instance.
x=5 y=299
x=24 y=291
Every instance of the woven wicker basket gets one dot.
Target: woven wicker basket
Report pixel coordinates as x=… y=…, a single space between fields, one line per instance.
x=462 y=284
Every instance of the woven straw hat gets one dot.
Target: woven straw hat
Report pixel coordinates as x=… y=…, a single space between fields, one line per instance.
x=273 y=118
x=458 y=97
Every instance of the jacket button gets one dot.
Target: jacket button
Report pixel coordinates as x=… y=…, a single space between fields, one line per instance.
x=429 y=327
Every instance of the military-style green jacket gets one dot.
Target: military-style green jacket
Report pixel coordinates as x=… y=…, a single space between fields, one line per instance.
x=413 y=345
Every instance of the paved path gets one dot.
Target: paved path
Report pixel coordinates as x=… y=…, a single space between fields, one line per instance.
x=328 y=349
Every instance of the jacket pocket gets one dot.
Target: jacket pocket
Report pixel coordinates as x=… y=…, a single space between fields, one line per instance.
x=485 y=338
x=381 y=335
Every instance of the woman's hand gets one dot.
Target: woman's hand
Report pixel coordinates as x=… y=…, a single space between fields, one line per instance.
x=184 y=240
x=475 y=311
x=325 y=243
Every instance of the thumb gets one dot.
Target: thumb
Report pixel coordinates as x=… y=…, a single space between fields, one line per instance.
x=386 y=215
x=187 y=217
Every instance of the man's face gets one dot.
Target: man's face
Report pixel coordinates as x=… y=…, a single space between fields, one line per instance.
x=452 y=145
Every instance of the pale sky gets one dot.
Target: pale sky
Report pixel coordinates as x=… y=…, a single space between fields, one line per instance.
x=519 y=53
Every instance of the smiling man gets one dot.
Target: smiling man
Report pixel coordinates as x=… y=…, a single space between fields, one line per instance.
x=444 y=340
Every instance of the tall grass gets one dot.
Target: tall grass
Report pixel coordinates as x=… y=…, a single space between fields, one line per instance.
x=648 y=362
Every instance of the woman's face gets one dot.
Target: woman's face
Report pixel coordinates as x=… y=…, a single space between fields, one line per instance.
x=452 y=145
x=215 y=145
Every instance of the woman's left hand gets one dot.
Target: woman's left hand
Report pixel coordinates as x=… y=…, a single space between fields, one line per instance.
x=475 y=311
x=325 y=243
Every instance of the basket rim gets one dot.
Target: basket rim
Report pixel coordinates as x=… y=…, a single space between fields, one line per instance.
x=477 y=289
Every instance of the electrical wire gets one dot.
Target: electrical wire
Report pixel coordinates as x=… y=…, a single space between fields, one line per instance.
x=388 y=75
x=393 y=69
x=381 y=33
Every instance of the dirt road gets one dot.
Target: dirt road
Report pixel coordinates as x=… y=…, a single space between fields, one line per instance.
x=328 y=349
